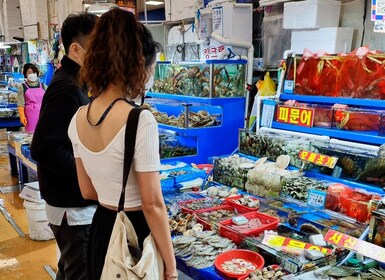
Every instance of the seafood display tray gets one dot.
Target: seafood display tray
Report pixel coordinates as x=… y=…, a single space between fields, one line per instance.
x=208 y=225
x=268 y=223
x=207 y=203
x=239 y=207
x=307 y=215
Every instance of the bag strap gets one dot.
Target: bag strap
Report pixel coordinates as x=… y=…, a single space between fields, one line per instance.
x=129 y=147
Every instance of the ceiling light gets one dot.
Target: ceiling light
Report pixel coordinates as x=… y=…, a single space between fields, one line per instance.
x=154 y=3
x=4 y=46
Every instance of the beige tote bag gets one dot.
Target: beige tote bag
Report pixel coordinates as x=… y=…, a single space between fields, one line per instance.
x=120 y=264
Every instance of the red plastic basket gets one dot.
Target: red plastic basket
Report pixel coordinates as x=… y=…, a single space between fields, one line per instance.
x=268 y=223
x=250 y=256
x=207 y=224
x=239 y=207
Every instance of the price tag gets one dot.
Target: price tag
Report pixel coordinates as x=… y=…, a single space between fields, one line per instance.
x=318 y=159
x=268 y=111
x=290 y=266
x=316 y=198
x=174 y=209
x=288 y=86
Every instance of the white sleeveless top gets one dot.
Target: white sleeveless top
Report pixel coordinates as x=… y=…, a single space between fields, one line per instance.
x=105 y=168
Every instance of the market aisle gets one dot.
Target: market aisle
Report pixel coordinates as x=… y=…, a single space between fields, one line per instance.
x=20 y=258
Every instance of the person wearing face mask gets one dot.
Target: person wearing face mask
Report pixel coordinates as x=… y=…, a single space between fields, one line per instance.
x=29 y=97
x=68 y=213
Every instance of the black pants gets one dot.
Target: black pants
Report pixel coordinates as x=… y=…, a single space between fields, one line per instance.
x=73 y=244
x=101 y=230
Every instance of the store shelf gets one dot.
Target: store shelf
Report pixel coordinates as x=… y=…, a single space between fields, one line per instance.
x=362 y=137
x=333 y=100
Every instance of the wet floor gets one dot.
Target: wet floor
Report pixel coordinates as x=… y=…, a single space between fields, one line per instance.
x=20 y=258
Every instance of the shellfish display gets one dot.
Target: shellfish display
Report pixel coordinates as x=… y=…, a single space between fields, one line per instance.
x=272 y=146
x=200 y=249
x=229 y=171
x=270 y=272
x=237 y=266
x=298 y=187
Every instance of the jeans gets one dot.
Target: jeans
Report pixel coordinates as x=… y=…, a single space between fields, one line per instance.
x=73 y=244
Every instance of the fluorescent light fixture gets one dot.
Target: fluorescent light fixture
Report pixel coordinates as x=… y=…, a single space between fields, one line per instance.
x=3 y=46
x=100 y=8
x=154 y=3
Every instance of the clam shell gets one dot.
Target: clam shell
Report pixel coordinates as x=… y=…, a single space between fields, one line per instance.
x=283 y=161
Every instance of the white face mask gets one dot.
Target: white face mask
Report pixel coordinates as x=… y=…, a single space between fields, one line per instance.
x=32 y=77
x=148 y=85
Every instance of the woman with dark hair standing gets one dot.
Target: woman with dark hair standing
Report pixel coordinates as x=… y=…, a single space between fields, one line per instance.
x=29 y=97
x=119 y=62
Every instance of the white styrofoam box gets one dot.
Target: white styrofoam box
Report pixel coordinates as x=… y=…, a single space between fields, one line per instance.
x=175 y=36
x=333 y=40
x=31 y=192
x=233 y=21
x=311 y=14
x=178 y=10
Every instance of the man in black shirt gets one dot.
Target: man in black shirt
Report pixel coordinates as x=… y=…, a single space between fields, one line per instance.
x=69 y=215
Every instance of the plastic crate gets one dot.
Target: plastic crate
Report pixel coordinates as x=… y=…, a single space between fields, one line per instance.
x=268 y=223
x=239 y=207
x=206 y=224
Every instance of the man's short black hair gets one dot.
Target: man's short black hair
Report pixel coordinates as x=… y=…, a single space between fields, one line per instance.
x=75 y=28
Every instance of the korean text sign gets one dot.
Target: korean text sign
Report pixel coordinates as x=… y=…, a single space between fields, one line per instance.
x=294 y=115
x=354 y=244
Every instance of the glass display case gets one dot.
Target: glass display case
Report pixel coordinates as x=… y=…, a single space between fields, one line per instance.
x=215 y=78
x=174 y=144
x=272 y=146
x=8 y=97
x=184 y=114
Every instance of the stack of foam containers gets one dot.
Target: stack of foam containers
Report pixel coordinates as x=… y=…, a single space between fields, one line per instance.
x=314 y=25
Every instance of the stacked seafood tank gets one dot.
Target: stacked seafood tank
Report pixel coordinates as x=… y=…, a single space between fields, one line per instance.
x=196 y=79
x=272 y=146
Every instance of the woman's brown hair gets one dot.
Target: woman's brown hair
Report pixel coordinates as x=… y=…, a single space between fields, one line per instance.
x=114 y=54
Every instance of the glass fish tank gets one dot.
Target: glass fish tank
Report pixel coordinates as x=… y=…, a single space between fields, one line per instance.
x=213 y=79
x=174 y=112
x=173 y=144
x=354 y=164
x=272 y=146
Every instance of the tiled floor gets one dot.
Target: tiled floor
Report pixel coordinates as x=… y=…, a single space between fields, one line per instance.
x=22 y=258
